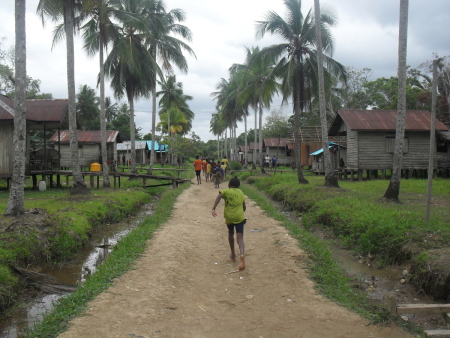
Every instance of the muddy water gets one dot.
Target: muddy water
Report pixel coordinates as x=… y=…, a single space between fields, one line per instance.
x=73 y=273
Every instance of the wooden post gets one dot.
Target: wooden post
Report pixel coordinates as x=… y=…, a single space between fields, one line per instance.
x=174 y=184
x=34 y=182
x=98 y=181
x=114 y=181
x=392 y=303
x=144 y=181
x=91 y=181
x=67 y=181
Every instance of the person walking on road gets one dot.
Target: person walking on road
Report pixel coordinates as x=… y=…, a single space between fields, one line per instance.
x=234 y=217
x=198 y=169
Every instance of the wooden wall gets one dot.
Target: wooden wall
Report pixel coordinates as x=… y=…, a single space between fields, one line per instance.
x=373 y=153
x=6 y=138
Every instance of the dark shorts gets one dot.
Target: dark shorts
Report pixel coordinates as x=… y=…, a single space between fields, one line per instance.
x=198 y=172
x=239 y=227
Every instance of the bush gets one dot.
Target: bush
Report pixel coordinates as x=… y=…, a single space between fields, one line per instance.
x=235 y=165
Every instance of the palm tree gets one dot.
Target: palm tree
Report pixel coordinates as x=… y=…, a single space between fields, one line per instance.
x=166 y=48
x=15 y=204
x=217 y=127
x=97 y=33
x=172 y=96
x=130 y=65
x=70 y=11
x=393 y=189
x=296 y=59
x=330 y=177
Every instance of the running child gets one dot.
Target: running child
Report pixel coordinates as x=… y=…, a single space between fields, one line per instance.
x=234 y=217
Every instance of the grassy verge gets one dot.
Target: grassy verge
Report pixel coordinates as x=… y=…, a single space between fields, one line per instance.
x=57 y=225
x=364 y=222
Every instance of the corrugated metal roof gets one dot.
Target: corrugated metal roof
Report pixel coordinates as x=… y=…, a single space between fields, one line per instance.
x=330 y=144
x=126 y=145
x=275 y=142
x=87 y=136
x=415 y=120
x=37 y=110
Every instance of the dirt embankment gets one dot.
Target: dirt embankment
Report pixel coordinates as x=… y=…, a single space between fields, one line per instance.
x=182 y=285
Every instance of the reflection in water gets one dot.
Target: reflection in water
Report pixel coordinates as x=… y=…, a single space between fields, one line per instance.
x=74 y=273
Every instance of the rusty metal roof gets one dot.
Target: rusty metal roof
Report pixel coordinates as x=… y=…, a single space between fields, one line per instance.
x=87 y=136
x=377 y=120
x=37 y=110
x=275 y=142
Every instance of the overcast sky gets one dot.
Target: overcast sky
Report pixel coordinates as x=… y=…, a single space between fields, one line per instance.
x=366 y=36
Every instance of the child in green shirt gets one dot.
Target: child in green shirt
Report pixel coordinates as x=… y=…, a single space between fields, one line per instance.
x=234 y=217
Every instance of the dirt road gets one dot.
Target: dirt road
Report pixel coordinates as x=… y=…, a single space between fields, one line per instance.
x=181 y=286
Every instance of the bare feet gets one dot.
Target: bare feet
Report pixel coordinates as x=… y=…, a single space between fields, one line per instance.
x=233 y=257
x=242 y=263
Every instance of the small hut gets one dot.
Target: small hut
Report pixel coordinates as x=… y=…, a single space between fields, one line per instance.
x=89 y=146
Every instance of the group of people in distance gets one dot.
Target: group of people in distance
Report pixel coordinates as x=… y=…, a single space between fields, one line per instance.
x=234 y=202
x=212 y=171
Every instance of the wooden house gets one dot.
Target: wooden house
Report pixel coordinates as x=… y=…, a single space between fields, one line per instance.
x=370 y=138
x=278 y=147
x=89 y=146
x=160 y=151
x=124 y=152
x=443 y=152
x=42 y=115
x=337 y=154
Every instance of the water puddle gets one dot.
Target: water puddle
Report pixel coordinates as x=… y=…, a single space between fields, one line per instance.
x=73 y=273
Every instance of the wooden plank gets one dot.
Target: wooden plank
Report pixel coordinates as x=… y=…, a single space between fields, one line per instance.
x=437 y=333
x=423 y=308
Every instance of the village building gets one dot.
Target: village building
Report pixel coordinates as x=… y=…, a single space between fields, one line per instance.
x=370 y=139
x=44 y=115
x=89 y=147
x=337 y=154
x=278 y=147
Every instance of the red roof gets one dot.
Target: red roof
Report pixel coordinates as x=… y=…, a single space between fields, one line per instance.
x=87 y=136
x=37 y=110
x=415 y=120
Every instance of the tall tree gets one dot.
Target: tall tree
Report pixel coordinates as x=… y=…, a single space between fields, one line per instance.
x=165 y=48
x=15 y=204
x=70 y=11
x=97 y=33
x=130 y=65
x=330 y=177
x=297 y=59
x=393 y=190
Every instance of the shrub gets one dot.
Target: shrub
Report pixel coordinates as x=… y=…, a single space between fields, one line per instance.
x=235 y=165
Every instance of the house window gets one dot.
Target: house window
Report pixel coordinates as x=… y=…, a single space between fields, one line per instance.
x=441 y=146
x=390 y=145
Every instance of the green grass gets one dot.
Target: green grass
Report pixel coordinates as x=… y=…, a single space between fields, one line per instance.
x=361 y=218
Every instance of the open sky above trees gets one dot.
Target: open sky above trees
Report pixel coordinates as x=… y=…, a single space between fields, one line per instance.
x=366 y=36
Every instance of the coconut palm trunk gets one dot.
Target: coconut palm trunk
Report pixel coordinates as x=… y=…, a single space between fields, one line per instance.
x=15 y=204
x=260 y=128
x=298 y=154
x=78 y=181
x=132 y=137
x=330 y=177
x=245 y=140
x=104 y=154
x=393 y=189
x=152 y=150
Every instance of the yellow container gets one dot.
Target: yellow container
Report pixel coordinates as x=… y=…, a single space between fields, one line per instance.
x=96 y=167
